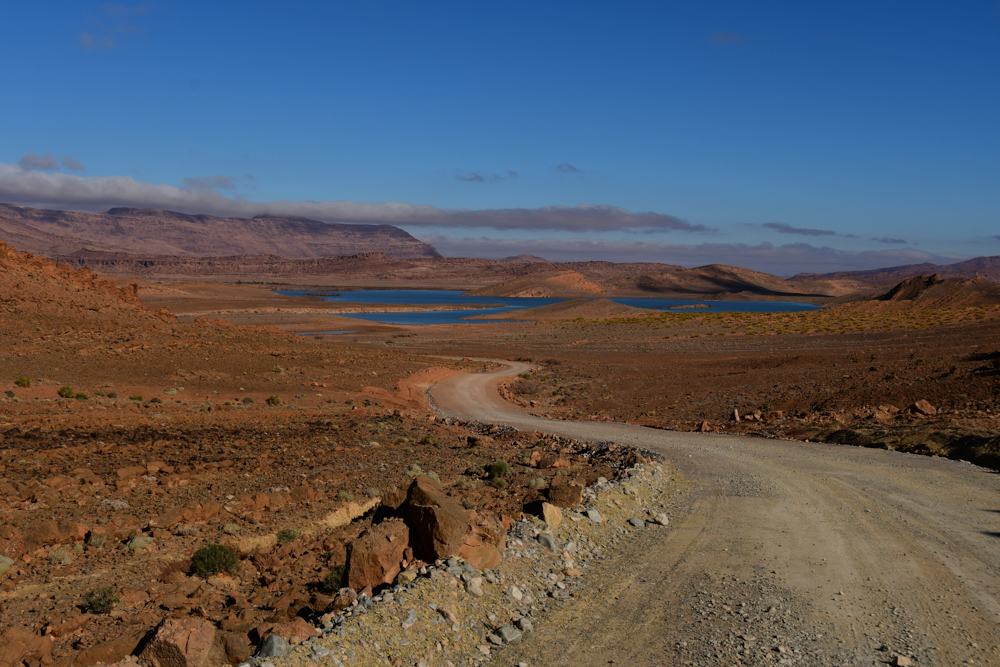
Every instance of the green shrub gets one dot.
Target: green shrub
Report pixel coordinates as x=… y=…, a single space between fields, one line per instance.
x=274 y=399
x=60 y=557
x=66 y=392
x=433 y=475
x=112 y=394
x=23 y=381
x=81 y=396
x=137 y=397
x=345 y=496
x=247 y=401
x=373 y=492
x=99 y=601
x=497 y=469
x=331 y=582
x=9 y=393
x=414 y=470
x=497 y=482
x=155 y=400
x=214 y=559
x=286 y=535
x=537 y=483
x=427 y=439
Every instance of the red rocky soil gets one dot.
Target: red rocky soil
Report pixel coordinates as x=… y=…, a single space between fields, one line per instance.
x=162 y=441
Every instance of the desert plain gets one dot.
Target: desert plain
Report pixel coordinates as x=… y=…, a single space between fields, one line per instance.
x=827 y=479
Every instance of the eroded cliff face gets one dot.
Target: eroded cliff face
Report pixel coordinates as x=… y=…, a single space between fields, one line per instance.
x=155 y=232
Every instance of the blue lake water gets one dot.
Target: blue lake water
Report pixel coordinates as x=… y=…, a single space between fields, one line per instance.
x=493 y=304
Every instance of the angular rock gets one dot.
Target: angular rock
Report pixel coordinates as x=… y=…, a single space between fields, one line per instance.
x=509 y=634
x=438 y=523
x=236 y=646
x=594 y=515
x=736 y=415
x=662 y=519
x=552 y=515
x=483 y=546
x=20 y=644
x=374 y=557
x=922 y=407
x=11 y=542
x=274 y=647
x=182 y=642
x=566 y=495
x=637 y=522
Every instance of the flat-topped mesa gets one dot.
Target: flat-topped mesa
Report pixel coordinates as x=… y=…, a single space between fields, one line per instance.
x=138 y=231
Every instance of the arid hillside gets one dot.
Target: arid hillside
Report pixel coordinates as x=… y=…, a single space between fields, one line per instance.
x=559 y=284
x=155 y=232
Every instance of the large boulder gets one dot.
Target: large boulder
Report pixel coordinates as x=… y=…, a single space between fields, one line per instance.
x=184 y=642
x=438 y=523
x=374 y=558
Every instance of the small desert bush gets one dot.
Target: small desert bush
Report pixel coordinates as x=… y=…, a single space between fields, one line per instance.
x=414 y=470
x=344 y=495
x=99 y=601
x=247 y=401
x=274 y=399
x=60 y=557
x=9 y=393
x=136 y=397
x=497 y=482
x=112 y=394
x=81 y=396
x=427 y=440
x=66 y=392
x=373 y=492
x=331 y=582
x=23 y=381
x=286 y=535
x=537 y=483
x=498 y=469
x=214 y=559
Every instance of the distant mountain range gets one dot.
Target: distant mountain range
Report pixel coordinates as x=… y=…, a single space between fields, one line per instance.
x=136 y=231
x=146 y=243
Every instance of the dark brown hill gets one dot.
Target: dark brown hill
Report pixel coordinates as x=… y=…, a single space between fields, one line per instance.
x=977 y=266
x=154 y=232
x=922 y=292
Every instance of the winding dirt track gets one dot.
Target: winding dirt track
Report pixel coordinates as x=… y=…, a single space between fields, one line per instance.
x=782 y=553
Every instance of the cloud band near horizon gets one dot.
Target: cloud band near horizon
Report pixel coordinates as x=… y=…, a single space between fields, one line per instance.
x=32 y=187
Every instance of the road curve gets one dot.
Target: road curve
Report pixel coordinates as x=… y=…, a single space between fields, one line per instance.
x=833 y=554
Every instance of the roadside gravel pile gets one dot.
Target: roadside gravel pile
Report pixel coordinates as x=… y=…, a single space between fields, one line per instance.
x=451 y=614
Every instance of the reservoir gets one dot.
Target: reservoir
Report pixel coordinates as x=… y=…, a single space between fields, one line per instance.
x=485 y=305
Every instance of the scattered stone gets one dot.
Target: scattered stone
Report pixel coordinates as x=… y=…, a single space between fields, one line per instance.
x=637 y=522
x=735 y=416
x=902 y=661
x=524 y=624
x=474 y=586
x=593 y=515
x=922 y=407
x=411 y=618
x=548 y=541
x=438 y=521
x=516 y=593
x=509 y=634
x=662 y=519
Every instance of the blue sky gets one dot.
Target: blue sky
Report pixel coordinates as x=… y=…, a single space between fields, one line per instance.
x=784 y=136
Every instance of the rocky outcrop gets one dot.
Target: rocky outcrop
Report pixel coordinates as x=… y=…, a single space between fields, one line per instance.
x=438 y=521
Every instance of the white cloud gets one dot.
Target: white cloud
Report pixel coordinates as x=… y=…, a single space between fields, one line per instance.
x=99 y=193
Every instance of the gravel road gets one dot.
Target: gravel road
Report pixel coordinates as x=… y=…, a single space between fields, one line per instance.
x=781 y=553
